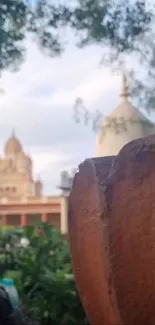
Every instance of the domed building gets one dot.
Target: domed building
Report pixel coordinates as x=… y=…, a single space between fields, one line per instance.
x=22 y=201
x=125 y=123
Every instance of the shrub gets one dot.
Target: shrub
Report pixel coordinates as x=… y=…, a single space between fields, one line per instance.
x=43 y=274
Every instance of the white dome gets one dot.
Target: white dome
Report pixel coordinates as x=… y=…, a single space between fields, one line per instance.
x=126 y=123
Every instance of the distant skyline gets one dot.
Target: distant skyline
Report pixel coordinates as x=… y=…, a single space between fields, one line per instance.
x=38 y=103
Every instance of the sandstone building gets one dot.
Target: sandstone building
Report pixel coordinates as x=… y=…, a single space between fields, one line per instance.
x=22 y=200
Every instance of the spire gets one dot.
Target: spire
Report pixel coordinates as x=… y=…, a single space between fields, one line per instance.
x=125 y=87
x=38 y=177
x=13 y=132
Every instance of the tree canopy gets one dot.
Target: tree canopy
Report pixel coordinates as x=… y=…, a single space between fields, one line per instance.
x=125 y=31
x=94 y=21
x=122 y=27
x=18 y=18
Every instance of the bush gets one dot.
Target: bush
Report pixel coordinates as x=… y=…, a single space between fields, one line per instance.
x=43 y=274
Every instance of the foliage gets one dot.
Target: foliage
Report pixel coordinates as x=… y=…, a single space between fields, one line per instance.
x=12 y=23
x=18 y=18
x=122 y=28
x=43 y=275
x=119 y=23
x=94 y=21
x=125 y=31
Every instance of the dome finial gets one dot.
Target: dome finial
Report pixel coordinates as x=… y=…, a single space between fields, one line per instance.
x=38 y=177
x=125 y=87
x=13 y=132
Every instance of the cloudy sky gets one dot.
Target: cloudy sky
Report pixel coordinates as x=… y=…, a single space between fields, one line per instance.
x=38 y=103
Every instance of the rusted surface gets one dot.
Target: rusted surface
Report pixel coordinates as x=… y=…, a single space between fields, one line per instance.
x=89 y=250
x=112 y=235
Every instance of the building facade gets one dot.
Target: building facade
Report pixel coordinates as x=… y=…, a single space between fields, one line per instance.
x=22 y=200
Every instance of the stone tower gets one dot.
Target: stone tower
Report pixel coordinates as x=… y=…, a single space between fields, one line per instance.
x=39 y=188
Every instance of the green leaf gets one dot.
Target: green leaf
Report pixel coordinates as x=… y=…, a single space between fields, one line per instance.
x=29 y=231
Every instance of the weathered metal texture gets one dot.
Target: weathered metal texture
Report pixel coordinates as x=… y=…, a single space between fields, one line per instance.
x=112 y=235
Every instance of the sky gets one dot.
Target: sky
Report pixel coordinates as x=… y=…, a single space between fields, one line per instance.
x=38 y=103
